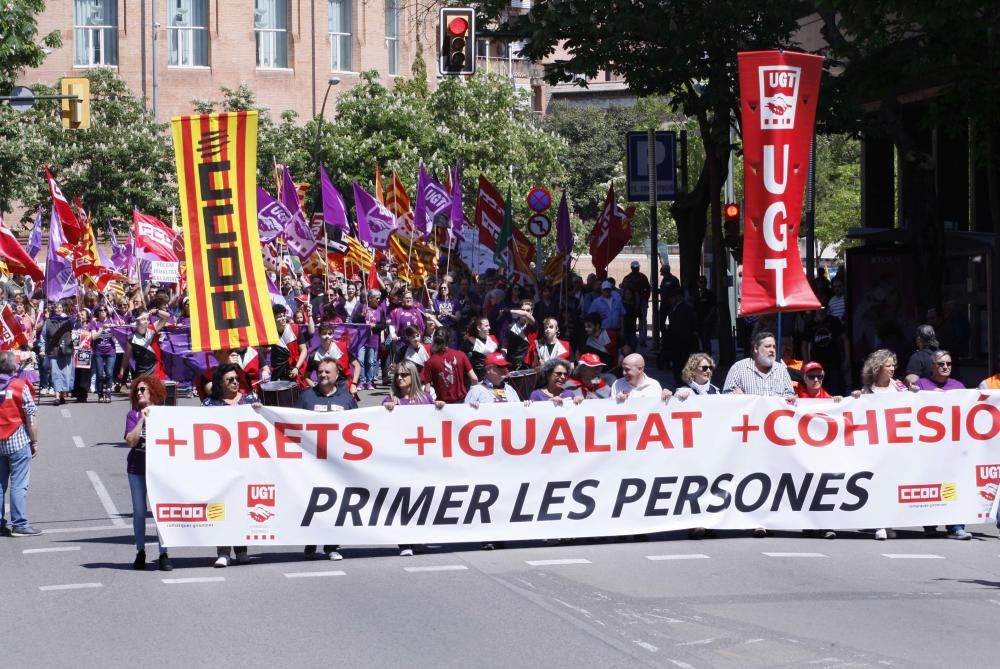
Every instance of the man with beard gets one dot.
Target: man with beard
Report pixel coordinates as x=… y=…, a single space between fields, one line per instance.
x=760 y=374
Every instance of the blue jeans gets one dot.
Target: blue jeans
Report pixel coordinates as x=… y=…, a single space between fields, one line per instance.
x=368 y=357
x=104 y=370
x=137 y=486
x=15 y=474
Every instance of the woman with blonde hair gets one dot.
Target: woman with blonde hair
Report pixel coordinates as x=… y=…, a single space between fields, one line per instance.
x=878 y=372
x=697 y=374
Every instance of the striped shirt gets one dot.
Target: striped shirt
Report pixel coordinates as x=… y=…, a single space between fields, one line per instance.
x=745 y=376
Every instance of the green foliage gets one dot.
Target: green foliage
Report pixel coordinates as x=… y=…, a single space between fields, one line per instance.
x=19 y=45
x=838 y=188
x=123 y=160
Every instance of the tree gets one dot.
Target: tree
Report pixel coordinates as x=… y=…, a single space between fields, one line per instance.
x=123 y=160
x=685 y=51
x=19 y=45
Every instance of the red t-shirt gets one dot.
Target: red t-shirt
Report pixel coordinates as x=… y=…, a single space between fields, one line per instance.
x=822 y=394
x=447 y=372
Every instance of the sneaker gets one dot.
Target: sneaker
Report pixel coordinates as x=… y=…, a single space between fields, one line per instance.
x=488 y=546
x=881 y=534
x=140 y=561
x=334 y=555
x=930 y=532
x=309 y=552
x=959 y=534
x=242 y=558
x=222 y=562
x=406 y=552
x=26 y=531
x=829 y=534
x=696 y=533
x=4 y=531
x=759 y=532
x=165 y=564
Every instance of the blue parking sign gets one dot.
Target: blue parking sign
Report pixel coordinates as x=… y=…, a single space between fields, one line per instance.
x=637 y=166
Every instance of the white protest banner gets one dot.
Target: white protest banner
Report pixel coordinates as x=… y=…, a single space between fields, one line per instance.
x=235 y=475
x=164 y=271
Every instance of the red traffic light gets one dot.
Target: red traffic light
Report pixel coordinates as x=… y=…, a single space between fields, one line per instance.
x=458 y=26
x=731 y=211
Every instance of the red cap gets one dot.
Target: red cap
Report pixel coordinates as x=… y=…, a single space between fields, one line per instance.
x=590 y=360
x=811 y=367
x=497 y=359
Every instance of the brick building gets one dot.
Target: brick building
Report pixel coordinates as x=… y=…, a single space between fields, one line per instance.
x=283 y=50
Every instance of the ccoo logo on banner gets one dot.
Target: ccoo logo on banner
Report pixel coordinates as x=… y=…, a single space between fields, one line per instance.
x=778 y=93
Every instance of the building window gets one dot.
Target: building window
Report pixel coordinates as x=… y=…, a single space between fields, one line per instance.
x=187 y=33
x=95 y=32
x=392 y=34
x=270 y=24
x=340 y=35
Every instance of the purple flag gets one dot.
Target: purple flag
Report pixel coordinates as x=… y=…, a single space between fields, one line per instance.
x=457 y=214
x=375 y=222
x=35 y=239
x=298 y=236
x=272 y=217
x=60 y=282
x=433 y=200
x=564 y=234
x=334 y=209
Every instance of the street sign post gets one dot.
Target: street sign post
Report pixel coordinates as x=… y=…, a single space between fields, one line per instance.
x=539 y=225
x=638 y=166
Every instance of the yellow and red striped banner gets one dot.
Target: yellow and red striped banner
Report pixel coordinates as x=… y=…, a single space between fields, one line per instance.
x=217 y=178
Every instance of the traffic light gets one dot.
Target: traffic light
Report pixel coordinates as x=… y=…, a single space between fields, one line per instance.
x=76 y=113
x=457 y=41
x=732 y=234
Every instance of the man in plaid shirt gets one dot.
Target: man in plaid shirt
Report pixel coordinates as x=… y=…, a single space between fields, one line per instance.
x=18 y=445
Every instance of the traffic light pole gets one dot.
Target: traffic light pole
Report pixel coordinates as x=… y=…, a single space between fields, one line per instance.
x=654 y=246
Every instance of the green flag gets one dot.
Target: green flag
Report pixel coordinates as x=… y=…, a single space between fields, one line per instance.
x=506 y=232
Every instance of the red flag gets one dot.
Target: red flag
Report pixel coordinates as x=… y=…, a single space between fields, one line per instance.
x=13 y=258
x=71 y=228
x=11 y=333
x=154 y=236
x=778 y=94
x=610 y=234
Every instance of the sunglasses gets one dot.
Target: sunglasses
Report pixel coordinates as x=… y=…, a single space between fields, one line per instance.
x=706 y=368
x=558 y=373
x=142 y=389
x=231 y=379
x=815 y=377
x=402 y=374
x=943 y=364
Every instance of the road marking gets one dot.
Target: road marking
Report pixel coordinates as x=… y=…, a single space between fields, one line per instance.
x=680 y=556
x=63 y=549
x=78 y=441
x=805 y=555
x=197 y=579
x=92 y=528
x=912 y=556
x=102 y=494
x=439 y=567
x=314 y=574
x=70 y=586
x=65 y=413
x=549 y=563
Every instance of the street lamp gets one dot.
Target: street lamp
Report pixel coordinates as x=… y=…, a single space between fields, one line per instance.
x=330 y=83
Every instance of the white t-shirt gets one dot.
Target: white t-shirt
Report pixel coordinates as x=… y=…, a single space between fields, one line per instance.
x=649 y=387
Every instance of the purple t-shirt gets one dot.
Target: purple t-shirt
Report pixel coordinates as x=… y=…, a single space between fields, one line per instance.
x=104 y=343
x=401 y=318
x=540 y=395
x=408 y=400
x=925 y=383
x=136 y=463
x=373 y=317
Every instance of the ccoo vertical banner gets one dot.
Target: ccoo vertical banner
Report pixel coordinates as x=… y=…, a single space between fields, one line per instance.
x=217 y=178
x=778 y=95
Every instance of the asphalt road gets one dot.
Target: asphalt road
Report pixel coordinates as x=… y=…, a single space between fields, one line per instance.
x=71 y=598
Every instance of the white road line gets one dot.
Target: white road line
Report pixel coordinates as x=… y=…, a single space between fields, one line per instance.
x=804 y=555
x=549 y=563
x=70 y=586
x=314 y=574
x=62 y=549
x=78 y=441
x=912 y=556
x=439 y=567
x=202 y=579
x=102 y=494
x=93 y=528
x=65 y=413
x=681 y=556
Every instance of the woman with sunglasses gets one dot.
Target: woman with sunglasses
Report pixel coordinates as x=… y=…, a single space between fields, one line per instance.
x=555 y=373
x=696 y=375
x=811 y=387
x=940 y=378
x=144 y=393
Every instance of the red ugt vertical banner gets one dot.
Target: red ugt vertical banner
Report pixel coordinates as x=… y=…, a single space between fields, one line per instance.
x=778 y=95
